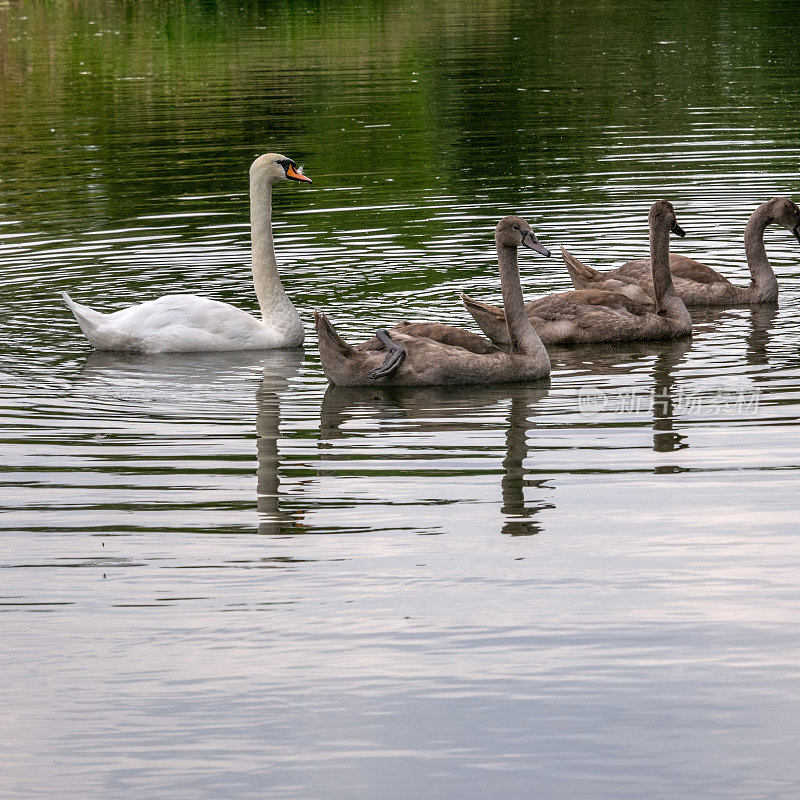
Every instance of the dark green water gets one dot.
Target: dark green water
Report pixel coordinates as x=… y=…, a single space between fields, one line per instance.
x=222 y=579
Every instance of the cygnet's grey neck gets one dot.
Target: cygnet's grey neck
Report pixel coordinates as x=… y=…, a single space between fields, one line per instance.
x=521 y=334
x=765 y=285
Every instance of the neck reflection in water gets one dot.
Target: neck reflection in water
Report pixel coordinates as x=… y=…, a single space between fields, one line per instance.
x=198 y=403
x=620 y=396
x=276 y=515
x=423 y=432
x=439 y=410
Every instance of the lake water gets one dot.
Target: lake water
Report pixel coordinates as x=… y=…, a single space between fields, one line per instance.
x=222 y=579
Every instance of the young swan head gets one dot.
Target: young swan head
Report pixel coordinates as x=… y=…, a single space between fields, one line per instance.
x=274 y=167
x=513 y=231
x=784 y=212
x=662 y=212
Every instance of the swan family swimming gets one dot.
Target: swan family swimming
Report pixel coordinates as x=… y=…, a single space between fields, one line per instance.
x=696 y=283
x=599 y=315
x=641 y=300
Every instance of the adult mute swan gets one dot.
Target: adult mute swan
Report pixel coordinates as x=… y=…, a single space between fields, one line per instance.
x=432 y=354
x=594 y=315
x=187 y=323
x=695 y=283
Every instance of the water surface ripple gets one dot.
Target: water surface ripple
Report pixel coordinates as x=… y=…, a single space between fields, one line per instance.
x=223 y=578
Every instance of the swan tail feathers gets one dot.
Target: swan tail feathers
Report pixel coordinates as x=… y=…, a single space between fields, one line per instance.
x=476 y=306
x=87 y=318
x=491 y=319
x=582 y=275
x=334 y=353
x=330 y=343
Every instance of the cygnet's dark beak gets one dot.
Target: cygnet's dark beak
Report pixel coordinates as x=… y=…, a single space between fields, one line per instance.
x=297 y=174
x=676 y=229
x=796 y=232
x=530 y=241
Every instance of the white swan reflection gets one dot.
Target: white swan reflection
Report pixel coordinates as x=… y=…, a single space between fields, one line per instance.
x=205 y=400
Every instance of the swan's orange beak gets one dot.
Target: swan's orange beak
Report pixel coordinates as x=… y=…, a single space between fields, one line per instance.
x=292 y=173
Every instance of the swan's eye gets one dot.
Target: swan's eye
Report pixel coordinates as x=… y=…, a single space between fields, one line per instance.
x=286 y=163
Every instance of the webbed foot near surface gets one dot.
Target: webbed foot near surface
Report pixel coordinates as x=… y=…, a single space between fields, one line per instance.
x=394 y=357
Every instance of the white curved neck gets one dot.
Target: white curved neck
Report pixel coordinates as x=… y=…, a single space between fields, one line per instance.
x=272 y=299
x=765 y=284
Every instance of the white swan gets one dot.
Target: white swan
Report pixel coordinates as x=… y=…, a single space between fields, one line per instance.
x=188 y=323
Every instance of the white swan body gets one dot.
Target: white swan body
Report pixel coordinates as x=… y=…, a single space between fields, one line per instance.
x=179 y=323
x=187 y=323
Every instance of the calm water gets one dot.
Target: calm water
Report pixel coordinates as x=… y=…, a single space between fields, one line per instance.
x=222 y=579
